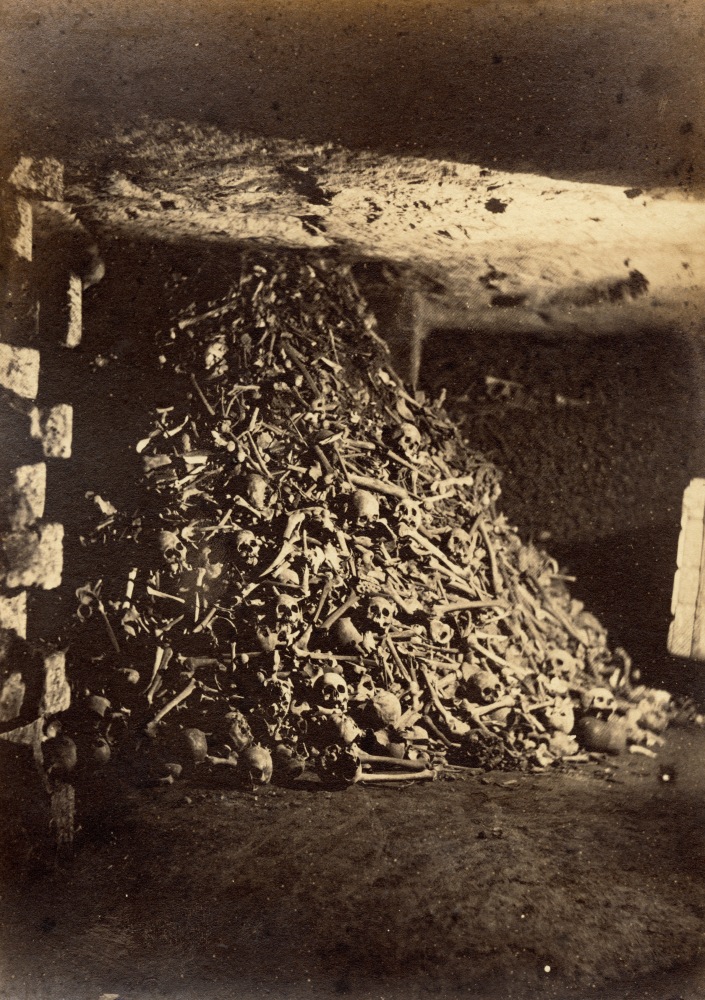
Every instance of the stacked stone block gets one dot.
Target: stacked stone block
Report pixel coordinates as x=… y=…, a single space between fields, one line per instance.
x=32 y=681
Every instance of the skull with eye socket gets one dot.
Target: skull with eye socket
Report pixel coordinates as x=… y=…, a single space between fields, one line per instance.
x=363 y=510
x=380 y=614
x=599 y=703
x=247 y=547
x=559 y=716
x=256 y=765
x=338 y=767
x=483 y=687
x=276 y=697
x=459 y=546
x=172 y=549
x=440 y=632
x=365 y=689
x=331 y=693
x=409 y=511
x=562 y=664
x=409 y=441
x=287 y=616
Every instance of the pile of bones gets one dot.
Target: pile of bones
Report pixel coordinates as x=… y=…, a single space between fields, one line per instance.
x=318 y=582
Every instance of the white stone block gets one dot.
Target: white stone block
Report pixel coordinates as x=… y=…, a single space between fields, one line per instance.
x=57 y=693
x=23 y=497
x=74 y=328
x=54 y=428
x=33 y=557
x=19 y=370
x=13 y=613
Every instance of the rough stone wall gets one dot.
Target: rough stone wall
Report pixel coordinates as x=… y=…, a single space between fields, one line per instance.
x=36 y=435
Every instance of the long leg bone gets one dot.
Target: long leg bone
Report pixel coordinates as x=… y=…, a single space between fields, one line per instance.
x=408 y=765
x=506 y=702
x=351 y=602
x=368 y=779
x=397 y=659
x=497 y=581
x=406 y=530
x=378 y=486
x=176 y=700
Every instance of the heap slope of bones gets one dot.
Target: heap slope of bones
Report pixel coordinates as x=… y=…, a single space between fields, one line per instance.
x=319 y=581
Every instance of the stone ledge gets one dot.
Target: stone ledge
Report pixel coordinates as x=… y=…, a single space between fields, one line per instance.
x=21 y=682
x=57 y=693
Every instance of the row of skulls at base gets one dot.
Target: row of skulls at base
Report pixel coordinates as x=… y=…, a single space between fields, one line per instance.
x=284 y=723
x=330 y=711
x=301 y=712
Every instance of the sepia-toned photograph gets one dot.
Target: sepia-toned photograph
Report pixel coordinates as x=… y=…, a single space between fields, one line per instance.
x=352 y=500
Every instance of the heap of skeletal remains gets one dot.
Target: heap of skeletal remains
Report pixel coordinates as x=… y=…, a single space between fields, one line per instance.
x=319 y=581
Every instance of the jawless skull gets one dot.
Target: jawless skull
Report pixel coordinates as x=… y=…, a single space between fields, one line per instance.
x=364 y=509
x=331 y=693
x=247 y=546
x=459 y=546
x=380 y=613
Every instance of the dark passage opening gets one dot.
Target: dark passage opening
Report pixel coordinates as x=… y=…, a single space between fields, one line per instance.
x=596 y=439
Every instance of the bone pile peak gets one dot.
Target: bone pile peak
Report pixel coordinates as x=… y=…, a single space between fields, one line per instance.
x=318 y=581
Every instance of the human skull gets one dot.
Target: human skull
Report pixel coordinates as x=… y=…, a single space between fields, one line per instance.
x=380 y=613
x=561 y=663
x=331 y=692
x=484 y=686
x=172 y=548
x=410 y=512
x=257 y=764
x=338 y=767
x=239 y=732
x=247 y=546
x=287 y=611
x=346 y=729
x=459 y=546
x=560 y=715
x=364 y=508
x=441 y=632
x=365 y=689
x=276 y=698
x=256 y=490
x=387 y=708
x=557 y=685
x=409 y=440
x=599 y=702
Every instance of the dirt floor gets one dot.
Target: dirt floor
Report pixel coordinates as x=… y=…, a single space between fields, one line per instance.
x=585 y=884
x=564 y=885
